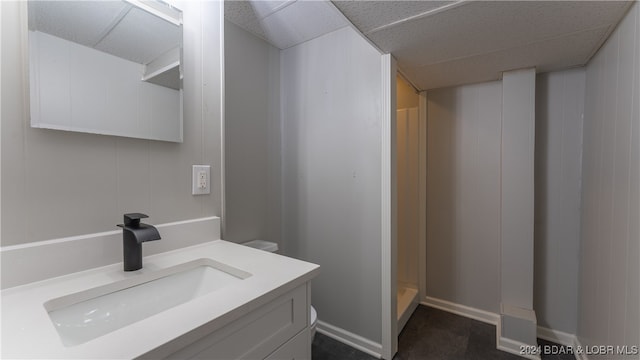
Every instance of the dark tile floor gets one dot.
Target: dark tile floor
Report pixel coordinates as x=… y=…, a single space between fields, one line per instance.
x=432 y=334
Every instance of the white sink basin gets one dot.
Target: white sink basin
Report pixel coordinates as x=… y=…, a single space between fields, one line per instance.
x=89 y=314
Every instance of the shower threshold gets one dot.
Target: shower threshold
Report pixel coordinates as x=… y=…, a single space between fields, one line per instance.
x=407 y=303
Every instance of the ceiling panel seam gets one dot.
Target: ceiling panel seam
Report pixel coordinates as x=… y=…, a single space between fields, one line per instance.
x=116 y=20
x=339 y=13
x=420 y=16
x=313 y=38
x=601 y=42
x=406 y=79
x=275 y=10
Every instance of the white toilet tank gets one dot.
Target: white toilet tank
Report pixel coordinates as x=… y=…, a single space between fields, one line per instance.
x=273 y=247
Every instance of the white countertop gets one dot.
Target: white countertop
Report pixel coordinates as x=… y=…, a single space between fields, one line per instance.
x=27 y=331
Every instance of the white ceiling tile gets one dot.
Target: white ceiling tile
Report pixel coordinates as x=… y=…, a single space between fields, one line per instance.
x=141 y=37
x=112 y=26
x=559 y=53
x=83 y=22
x=300 y=22
x=481 y=27
x=444 y=43
x=242 y=14
x=264 y=8
x=369 y=15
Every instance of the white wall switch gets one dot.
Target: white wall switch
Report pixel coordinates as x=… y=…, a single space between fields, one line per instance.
x=200 y=180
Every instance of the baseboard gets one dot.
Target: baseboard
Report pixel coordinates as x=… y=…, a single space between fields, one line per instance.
x=68 y=255
x=562 y=338
x=556 y=336
x=514 y=347
x=578 y=345
x=462 y=310
x=505 y=344
x=351 y=339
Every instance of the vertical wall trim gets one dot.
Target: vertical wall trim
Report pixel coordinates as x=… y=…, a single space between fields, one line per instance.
x=518 y=321
x=220 y=5
x=388 y=219
x=422 y=239
x=26 y=92
x=1 y=5
x=212 y=93
x=24 y=48
x=281 y=154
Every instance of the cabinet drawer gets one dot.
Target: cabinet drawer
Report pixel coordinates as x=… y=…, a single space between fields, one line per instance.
x=257 y=334
x=295 y=349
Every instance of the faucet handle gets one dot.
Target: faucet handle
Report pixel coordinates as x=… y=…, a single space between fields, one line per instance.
x=133 y=219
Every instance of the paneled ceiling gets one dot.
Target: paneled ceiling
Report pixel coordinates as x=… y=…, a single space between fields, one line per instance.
x=285 y=23
x=114 y=27
x=446 y=43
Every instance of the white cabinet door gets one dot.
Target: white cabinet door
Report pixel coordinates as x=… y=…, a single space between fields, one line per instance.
x=295 y=349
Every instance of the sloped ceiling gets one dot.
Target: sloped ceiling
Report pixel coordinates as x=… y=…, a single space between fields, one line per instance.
x=114 y=27
x=447 y=43
x=451 y=43
x=285 y=23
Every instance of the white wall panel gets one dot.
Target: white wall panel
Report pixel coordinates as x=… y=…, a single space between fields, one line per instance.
x=408 y=169
x=559 y=114
x=57 y=184
x=609 y=272
x=517 y=168
x=332 y=174
x=252 y=137
x=463 y=194
x=401 y=182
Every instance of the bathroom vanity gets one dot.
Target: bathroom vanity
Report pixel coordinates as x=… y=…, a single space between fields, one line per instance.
x=216 y=300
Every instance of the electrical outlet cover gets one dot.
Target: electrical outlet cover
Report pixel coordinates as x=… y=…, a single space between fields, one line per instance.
x=201 y=180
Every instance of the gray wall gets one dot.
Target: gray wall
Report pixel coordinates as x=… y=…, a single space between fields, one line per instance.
x=559 y=112
x=57 y=183
x=332 y=174
x=252 y=137
x=463 y=194
x=609 y=305
x=461 y=120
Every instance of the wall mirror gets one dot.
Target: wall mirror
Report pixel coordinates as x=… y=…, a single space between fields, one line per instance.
x=108 y=67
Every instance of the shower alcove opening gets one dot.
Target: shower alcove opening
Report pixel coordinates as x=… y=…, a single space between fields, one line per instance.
x=409 y=222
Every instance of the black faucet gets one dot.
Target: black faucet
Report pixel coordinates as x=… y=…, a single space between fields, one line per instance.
x=134 y=234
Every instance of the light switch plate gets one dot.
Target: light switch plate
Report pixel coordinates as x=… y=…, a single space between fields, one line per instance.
x=201 y=180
